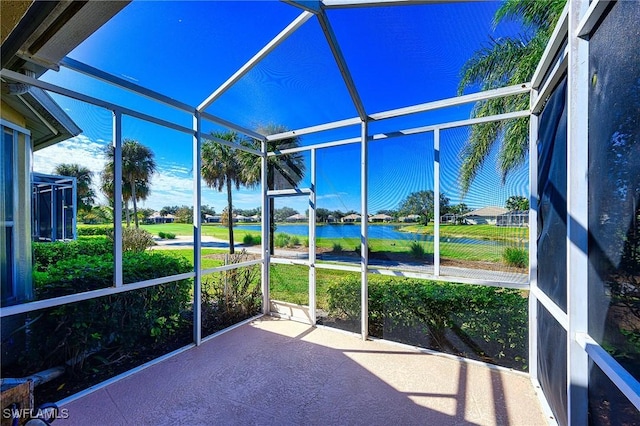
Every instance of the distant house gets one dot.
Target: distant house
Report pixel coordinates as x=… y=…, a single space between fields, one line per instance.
x=296 y=218
x=514 y=218
x=449 y=218
x=209 y=218
x=240 y=218
x=255 y=218
x=410 y=218
x=380 y=218
x=157 y=218
x=351 y=218
x=484 y=216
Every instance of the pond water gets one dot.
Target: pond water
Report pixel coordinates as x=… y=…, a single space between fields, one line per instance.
x=383 y=232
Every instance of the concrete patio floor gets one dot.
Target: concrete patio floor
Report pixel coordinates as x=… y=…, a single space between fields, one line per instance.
x=275 y=371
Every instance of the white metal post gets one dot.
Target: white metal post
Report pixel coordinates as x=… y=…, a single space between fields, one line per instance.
x=74 y=200
x=312 y=240
x=266 y=232
x=54 y=214
x=533 y=241
x=577 y=215
x=364 y=231
x=436 y=202
x=117 y=197
x=197 y=229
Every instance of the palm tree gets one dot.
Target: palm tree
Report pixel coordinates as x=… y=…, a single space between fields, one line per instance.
x=142 y=190
x=85 y=195
x=506 y=61
x=138 y=165
x=221 y=169
x=283 y=171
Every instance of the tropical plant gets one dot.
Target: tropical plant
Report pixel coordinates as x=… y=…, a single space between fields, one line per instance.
x=221 y=169
x=138 y=165
x=517 y=203
x=85 y=195
x=97 y=214
x=506 y=61
x=283 y=171
x=134 y=239
x=516 y=257
x=417 y=250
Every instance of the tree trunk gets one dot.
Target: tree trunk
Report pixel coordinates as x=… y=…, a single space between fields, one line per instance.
x=272 y=225
x=230 y=219
x=272 y=220
x=126 y=212
x=135 y=206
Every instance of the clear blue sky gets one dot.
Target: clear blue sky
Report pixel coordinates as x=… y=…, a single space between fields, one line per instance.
x=398 y=57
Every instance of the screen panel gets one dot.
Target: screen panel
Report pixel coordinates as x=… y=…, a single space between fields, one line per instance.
x=614 y=186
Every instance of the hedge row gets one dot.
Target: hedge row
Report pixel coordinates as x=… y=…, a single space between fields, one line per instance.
x=47 y=254
x=122 y=322
x=481 y=322
x=95 y=230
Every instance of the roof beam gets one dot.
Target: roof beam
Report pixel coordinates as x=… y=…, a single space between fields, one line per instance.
x=21 y=78
x=85 y=69
x=429 y=106
x=459 y=100
x=232 y=126
x=342 y=64
x=313 y=6
x=277 y=40
x=314 y=129
x=343 y=4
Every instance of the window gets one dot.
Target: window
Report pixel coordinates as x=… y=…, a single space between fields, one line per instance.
x=6 y=215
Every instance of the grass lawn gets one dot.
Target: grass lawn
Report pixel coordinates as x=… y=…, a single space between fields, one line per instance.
x=480 y=232
x=290 y=283
x=188 y=255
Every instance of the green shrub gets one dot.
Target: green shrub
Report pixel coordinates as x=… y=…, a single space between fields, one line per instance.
x=250 y=240
x=515 y=257
x=46 y=254
x=416 y=250
x=357 y=249
x=492 y=322
x=122 y=322
x=293 y=241
x=95 y=230
x=337 y=248
x=305 y=242
x=282 y=240
x=134 y=239
x=166 y=235
x=162 y=235
x=231 y=296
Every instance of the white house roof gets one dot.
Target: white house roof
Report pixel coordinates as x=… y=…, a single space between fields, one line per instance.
x=353 y=216
x=488 y=211
x=297 y=216
x=381 y=217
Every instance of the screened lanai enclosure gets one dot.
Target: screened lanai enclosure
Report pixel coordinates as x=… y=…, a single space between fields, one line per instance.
x=343 y=129
x=54 y=207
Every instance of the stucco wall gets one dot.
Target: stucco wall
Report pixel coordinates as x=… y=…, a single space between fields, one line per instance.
x=11 y=114
x=12 y=11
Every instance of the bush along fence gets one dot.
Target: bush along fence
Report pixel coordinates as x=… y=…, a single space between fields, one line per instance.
x=484 y=323
x=95 y=339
